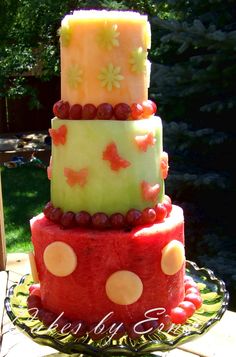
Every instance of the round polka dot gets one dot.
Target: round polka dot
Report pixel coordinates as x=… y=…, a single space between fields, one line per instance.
x=172 y=257
x=33 y=267
x=124 y=287
x=60 y=259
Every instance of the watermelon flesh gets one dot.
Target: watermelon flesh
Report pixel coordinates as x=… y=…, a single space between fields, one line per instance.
x=82 y=294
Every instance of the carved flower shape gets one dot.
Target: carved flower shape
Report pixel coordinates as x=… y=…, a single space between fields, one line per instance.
x=74 y=76
x=138 y=60
x=108 y=36
x=65 y=35
x=110 y=76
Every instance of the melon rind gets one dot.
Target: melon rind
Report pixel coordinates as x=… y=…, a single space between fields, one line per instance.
x=106 y=190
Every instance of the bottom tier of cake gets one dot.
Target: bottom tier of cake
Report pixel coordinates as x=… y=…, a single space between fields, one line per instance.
x=120 y=276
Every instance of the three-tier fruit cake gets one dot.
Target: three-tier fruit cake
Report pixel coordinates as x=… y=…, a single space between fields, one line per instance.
x=109 y=243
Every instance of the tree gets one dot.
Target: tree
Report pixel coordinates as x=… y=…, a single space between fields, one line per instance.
x=193 y=79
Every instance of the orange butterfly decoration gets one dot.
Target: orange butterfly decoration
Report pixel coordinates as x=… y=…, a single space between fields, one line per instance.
x=150 y=192
x=58 y=135
x=76 y=177
x=49 y=169
x=143 y=141
x=116 y=161
x=164 y=165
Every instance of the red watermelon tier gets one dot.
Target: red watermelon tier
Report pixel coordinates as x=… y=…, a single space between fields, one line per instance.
x=89 y=274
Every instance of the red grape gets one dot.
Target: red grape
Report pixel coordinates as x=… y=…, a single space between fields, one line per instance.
x=36 y=292
x=100 y=220
x=105 y=111
x=56 y=214
x=122 y=111
x=148 y=215
x=117 y=220
x=178 y=315
x=47 y=317
x=190 y=284
x=133 y=217
x=167 y=198
x=83 y=219
x=188 y=278
x=135 y=332
x=136 y=111
x=161 y=212
x=78 y=328
x=62 y=324
x=75 y=111
x=164 y=322
x=188 y=307
x=147 y=108
x=168 y=205
x=192 y=290
x=118 y=331
x=61 y=109
x=33 y=286
x=34 y=301
x=96 y=332
x=67 y=219
x=47 y=209
x=195 y=299
x=154 y=107
x=89 y=111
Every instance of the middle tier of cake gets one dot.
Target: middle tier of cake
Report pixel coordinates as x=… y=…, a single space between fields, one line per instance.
x=107 y=166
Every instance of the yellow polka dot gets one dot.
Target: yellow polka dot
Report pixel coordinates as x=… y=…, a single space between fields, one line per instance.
x=33 y=267
x=60 y=259
x=124 y=287
x=172 y=257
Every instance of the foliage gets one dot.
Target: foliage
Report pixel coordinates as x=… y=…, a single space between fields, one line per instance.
x=195 y=58
x=193 y=74
x=29 y=43
x=25 y=192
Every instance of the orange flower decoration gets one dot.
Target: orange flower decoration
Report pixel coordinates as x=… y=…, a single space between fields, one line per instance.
x=58 y=135
x=76 y=177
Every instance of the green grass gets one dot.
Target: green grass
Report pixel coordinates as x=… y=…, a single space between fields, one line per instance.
x=25 y=190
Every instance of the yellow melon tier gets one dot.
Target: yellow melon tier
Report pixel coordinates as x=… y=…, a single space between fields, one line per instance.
x=104 y=57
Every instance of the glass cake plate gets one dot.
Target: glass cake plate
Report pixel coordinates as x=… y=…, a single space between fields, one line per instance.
x=215 y=301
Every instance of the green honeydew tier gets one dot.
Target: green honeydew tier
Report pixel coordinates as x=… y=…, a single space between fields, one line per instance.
x=106 y=166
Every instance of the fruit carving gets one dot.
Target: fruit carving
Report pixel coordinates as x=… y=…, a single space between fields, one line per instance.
x=164 y=165
x=59 y=135
x=138 y=60
x=149 y=192
x=76 y=177
x=74 y=76
x=116 y=161
x=107 y=36
x=49 y=169
x=110 y=76
x=144 y=141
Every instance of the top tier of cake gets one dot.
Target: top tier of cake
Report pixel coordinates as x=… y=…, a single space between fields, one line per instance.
x=104 y=57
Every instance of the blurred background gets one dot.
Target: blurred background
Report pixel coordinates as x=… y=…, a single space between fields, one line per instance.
x=193 y=81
